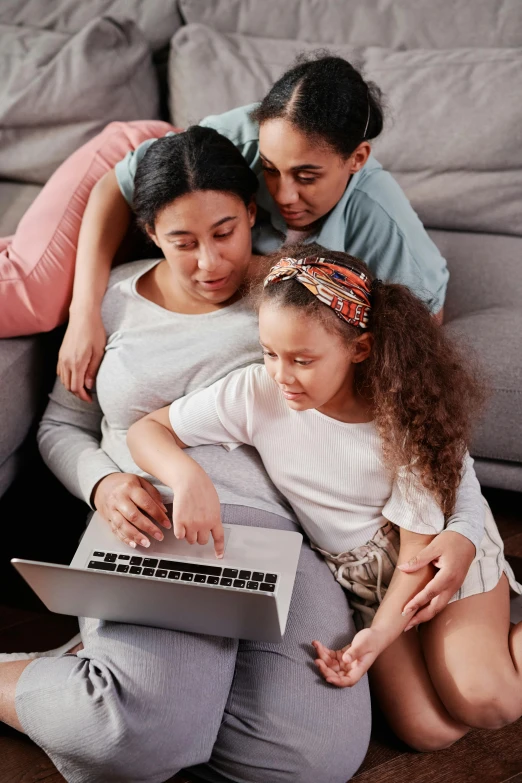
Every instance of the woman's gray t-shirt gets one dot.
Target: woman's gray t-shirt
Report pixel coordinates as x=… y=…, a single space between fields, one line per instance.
x=154 y=356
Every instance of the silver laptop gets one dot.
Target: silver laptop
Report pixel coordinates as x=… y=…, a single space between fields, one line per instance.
x=245 y=595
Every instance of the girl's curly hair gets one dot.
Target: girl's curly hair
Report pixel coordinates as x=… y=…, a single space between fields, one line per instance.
x=424 y=394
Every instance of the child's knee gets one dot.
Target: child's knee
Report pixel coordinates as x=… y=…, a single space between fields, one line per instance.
x=427 y=735
x=490 y=704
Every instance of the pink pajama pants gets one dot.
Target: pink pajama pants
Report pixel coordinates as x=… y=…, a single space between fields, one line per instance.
x=37 y=262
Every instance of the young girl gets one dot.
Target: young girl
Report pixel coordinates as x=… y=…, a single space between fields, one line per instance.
x=361 y=415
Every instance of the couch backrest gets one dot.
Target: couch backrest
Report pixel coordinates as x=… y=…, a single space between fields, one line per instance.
x=394 y=24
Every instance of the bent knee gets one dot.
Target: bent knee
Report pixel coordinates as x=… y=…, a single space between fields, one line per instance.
x=486 y=710
x=429 y=736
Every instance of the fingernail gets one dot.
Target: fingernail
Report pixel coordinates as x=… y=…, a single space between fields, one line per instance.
x=406 y=612
x=145 y=542
x=159 y=536
x=220 y=557
x=132 y=544
x=167 y=524
x=88 y=383
x=164 y=507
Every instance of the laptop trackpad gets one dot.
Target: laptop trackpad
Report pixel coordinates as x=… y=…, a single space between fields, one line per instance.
x=181 y=548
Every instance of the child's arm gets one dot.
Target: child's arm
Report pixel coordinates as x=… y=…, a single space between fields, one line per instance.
x=452 y=551
x=155 y=447
x=345 y=667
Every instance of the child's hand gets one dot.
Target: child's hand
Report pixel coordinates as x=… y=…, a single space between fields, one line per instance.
x=345 y=667
x=452 y=554
x=196 y=512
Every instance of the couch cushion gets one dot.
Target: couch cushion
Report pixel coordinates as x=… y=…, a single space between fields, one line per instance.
x=399 y=25
x=210 y=72
x=501 y=475
x=15 y=199
x=493 y=336
x=485 y=272
x=157 y=19
x=20 y=392
x=453 y=139
x=67 y=91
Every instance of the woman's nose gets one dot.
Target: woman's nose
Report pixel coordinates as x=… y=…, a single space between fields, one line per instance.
x=208 y=258
x=286 y=192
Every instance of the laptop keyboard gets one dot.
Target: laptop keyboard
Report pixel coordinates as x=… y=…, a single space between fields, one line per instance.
x=180 y=571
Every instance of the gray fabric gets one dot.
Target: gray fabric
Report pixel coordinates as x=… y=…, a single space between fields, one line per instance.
x=157 y=19
x=483 y=310
x=450 y=106
x=502 y=475
x=153 y=357
x=485 y=271
x=67 y=91
x=210 y=73
x=461 y=166
x=258 y=711
x=399 y=25
x=20 y=389
x=493 y=335
x=15 y=199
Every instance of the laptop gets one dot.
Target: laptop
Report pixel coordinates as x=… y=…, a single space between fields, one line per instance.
x=172 y=584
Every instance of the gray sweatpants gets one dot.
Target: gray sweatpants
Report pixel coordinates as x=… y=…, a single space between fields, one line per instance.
x=138 y=704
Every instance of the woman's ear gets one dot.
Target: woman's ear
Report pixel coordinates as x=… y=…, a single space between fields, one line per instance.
x=359 y=157
x=152 y=235
x=362 y=347
x=252 y=212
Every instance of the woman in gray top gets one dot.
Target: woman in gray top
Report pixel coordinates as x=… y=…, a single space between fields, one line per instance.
x=138 y=704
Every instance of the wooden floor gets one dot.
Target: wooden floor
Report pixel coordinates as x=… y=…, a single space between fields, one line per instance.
x=480 y=757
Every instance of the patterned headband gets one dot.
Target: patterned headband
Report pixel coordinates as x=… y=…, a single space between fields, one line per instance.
x=344 y=289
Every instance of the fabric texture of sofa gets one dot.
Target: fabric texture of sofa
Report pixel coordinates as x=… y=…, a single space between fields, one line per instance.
x=453 y=140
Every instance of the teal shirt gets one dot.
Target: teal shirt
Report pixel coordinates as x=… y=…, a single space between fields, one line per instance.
x=373 y=220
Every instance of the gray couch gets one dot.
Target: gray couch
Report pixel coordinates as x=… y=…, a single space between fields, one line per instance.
x=450 y=71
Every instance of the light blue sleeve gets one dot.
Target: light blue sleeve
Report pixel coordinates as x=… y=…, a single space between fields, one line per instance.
x=396 y=247
x=237 y=126
x=125 y=169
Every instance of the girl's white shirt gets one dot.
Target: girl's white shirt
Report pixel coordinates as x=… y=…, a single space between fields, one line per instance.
x=332 y=473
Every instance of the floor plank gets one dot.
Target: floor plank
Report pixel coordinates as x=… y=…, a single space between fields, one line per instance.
x=488 y=757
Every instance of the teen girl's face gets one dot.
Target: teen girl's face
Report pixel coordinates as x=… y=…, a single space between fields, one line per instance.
x=305 y=180
x=312 y=366
x=205 y=237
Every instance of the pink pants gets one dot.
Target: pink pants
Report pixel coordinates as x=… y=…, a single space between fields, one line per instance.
x=37 y=263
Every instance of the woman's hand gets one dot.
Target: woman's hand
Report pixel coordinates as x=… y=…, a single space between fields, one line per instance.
x=196 y=513
x=453 y=554
x=122 y=499
x=81 y=353
x=345 y=667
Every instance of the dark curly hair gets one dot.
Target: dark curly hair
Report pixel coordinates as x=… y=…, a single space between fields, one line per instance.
x=423 y=393
x=328 y=100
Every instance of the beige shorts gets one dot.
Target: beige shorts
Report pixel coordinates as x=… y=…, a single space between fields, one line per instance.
x=366 y=571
